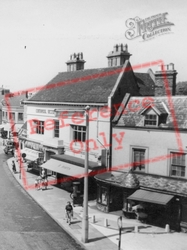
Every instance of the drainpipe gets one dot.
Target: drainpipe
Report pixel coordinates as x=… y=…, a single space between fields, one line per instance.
x=110 y=135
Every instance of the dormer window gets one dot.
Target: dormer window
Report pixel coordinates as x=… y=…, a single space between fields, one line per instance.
x=151 y=120
x=154 y=114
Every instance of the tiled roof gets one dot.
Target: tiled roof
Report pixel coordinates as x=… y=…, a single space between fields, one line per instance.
x=15 y=100
x=83 y=86
x=80 y=86
x=145 y=83
x=177 y=111
x=157 y=183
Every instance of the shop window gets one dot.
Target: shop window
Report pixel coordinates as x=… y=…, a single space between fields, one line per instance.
x=178 y=164
x=102 y=195
x=79 y=133
x=138 y=160
x=56 y=128
x=20 y=116
x=39 y=126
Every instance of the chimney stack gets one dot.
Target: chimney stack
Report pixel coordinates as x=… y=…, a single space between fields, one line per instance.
x=119 y=55
x=165 y=78
x=76 y=62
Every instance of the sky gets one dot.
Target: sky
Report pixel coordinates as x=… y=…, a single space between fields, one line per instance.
x=38 y=36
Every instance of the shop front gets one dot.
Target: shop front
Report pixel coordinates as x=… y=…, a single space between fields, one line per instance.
x=70 y=170
x=113 y=188
x=34 y=158
x=156 y=208
x=163 y=200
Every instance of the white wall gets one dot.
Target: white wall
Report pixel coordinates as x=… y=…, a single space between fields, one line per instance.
x=157 y=143
x=98 y=128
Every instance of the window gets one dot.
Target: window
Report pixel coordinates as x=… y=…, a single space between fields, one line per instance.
x=39 y=126
x=178 y=164
x=138 y=160
x=79 y=133
x=11 y=116
x=20 y=116
x=56 y=128
x=150 y=120
x=102 y=195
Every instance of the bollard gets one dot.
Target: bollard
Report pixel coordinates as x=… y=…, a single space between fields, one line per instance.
x=167 y=228
x=93 y=219
x=136 y=229
x=106 y=222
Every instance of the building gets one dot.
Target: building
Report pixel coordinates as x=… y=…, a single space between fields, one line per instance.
x=12 y=113
x=154 y=150
x=56 y=122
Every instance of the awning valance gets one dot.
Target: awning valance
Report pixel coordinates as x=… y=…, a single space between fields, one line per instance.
x=64 y=168
x=150 y=197
x=32 y=155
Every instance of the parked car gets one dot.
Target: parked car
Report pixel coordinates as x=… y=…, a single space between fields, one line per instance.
x=9 y=147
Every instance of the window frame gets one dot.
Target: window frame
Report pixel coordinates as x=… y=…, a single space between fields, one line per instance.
x=20 y=113
x=151 y=120
x=39 y=127
x=56 y=129
x=146 y=152
x=78 y=132
x=174 y=166
x=102 y=195
x=12 y=116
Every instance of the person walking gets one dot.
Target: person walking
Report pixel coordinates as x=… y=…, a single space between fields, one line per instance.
x=13 y=167
x=69 y=212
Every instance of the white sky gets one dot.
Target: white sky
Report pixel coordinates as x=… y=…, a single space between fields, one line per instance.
x=51 y=30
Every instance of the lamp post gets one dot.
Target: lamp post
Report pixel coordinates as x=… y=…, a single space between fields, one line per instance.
x=119 y=222
x=85 y=224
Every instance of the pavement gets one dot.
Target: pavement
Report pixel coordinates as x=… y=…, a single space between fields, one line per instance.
x=103 y=228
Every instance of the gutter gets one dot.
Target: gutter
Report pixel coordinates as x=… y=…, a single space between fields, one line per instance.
x=64 y=103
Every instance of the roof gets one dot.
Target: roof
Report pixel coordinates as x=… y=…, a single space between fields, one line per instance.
x=86 y=86
x=146 y=84
x=151 y=182
x=81 y=86
x=15 y=100
x=132 y=116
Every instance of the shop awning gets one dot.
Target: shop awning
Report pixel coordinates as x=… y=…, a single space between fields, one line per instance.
x=64 y=168
x=150 y=197
x=31 y=155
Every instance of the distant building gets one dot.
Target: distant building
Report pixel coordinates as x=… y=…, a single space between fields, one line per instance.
x=13 y=113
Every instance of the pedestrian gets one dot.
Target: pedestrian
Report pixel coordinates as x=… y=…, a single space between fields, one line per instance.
x=13 y=167
x=69 y=212
x=43 y=173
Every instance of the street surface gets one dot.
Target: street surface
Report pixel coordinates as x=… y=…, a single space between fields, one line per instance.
x=23 y=224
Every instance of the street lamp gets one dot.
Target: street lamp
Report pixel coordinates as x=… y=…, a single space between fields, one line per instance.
x=119 y=222
x=85 y=223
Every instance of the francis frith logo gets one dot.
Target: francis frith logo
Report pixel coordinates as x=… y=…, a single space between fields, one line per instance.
x=148 y=28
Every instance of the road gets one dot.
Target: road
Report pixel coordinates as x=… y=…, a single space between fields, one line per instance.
x=24 y=225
